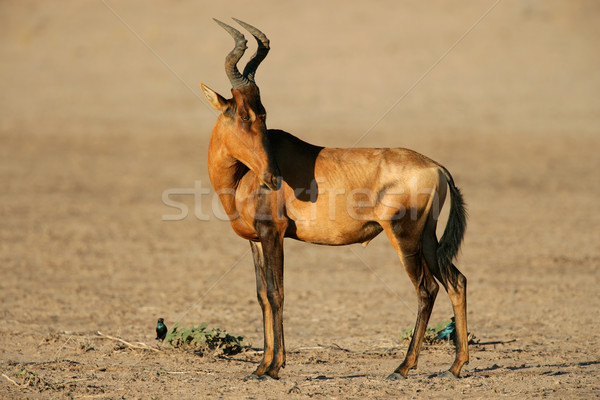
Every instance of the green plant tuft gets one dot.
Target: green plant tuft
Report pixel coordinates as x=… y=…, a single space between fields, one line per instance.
x=200 y=339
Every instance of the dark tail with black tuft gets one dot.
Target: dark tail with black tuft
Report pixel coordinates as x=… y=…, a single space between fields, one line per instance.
x=454 y=233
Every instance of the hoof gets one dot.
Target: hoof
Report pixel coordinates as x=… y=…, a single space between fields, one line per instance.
x=395 y=377
x=447 y=375
x=254 y=377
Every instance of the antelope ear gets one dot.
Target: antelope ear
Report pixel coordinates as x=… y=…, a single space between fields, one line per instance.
x=216 y=101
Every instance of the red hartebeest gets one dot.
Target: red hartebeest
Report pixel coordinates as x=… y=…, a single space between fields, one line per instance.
x=273 y=185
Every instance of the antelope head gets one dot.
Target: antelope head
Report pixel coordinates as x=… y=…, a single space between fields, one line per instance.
x=242 y=122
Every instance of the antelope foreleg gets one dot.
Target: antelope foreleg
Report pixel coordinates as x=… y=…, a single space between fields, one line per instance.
x=273 y=251
x=268 y=261
x=275 y=296
x=263 y=301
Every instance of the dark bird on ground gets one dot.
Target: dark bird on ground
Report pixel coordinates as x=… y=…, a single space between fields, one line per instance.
x=161 y=329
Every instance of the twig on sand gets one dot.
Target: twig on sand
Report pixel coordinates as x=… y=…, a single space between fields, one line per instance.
x=495 y=342
x=252 y=352
x=10 y=380
x=142 y=346
x=306 y=348
x=336 y=347
x=75 y=381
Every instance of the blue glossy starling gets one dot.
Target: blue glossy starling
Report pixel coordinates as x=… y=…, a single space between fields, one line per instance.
x=161 y=329
x=447 y=332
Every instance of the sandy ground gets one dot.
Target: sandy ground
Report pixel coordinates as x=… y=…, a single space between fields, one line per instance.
x=95 y=125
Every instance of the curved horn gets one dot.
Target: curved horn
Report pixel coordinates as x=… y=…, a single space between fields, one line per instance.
x=237 y=80
x=261 y=52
